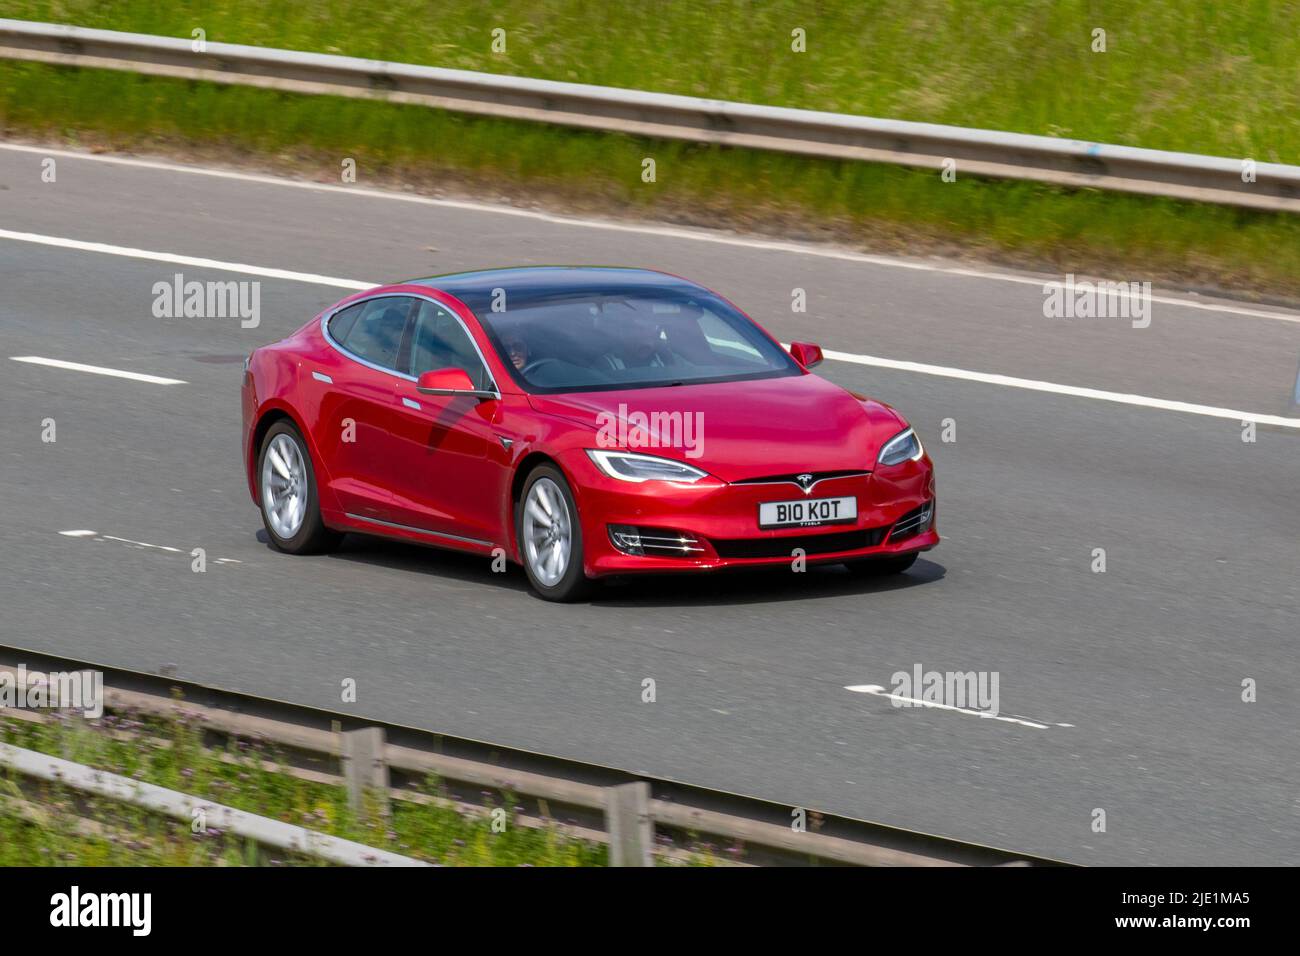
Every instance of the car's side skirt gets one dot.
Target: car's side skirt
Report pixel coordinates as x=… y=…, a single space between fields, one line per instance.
x=451 y=539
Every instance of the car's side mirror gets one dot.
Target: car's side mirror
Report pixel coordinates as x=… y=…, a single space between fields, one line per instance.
x=450 y=381
x=806 y=354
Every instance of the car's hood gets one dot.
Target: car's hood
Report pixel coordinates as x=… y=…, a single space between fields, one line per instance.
x=737 y=430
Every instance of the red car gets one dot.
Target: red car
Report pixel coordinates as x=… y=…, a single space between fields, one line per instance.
x=583 y=422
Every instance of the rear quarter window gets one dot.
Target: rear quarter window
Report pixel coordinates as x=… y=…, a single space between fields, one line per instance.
x=341 y=322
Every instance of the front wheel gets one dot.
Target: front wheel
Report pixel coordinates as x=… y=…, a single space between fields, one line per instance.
x=550 y=536
x=287 y=492
x=875 y=567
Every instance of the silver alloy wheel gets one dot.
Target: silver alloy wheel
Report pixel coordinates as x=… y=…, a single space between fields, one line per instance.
x=284 y=486
x=548 y=532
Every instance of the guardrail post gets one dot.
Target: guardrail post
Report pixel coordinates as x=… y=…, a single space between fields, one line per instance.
x=364 y=769
x=627 y=818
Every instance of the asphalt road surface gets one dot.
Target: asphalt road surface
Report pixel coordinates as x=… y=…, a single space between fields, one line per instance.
x=1124 y=688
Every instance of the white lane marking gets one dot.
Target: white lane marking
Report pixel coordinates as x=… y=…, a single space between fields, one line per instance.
x=97 y=370
x=1075 y=391
x=197 y=261
x=918 y=367
x=141 y=544
x=879 y=691
x=667 y=232
x=137 y=544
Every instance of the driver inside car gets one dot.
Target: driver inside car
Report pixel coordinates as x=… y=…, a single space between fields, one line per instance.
x=517 y=350
x=642 y=345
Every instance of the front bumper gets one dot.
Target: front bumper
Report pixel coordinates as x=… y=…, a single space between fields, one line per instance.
x=722 y=520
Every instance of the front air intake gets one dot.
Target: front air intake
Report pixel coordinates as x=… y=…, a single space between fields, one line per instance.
x=654 y=542
x=917 y=521
x=810 y=544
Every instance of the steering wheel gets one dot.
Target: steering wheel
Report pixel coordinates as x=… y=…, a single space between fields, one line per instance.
x=540 y=363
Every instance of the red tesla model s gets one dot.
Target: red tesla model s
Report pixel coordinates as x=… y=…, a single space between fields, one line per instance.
x=583 y=422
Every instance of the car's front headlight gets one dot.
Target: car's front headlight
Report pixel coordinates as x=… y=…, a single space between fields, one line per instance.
x=904 y=446
x=629 y=466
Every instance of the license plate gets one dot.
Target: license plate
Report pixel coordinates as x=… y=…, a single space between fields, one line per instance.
x=807 y=512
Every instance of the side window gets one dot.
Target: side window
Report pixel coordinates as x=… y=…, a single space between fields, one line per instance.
x=376 y=333
x=440 y=341
x=340 y=323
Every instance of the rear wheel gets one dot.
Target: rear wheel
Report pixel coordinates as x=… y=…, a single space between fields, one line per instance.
x=550 y=536
x=877 y=567
x=287 y=492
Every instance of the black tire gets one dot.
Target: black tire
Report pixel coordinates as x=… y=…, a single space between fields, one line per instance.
x=879 y=567
x=312 y=537
x=573 y=584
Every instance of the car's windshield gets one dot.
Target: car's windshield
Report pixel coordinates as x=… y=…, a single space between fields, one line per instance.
x=566 y=342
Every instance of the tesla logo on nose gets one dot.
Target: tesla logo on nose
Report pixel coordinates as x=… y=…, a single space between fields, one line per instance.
x=805 y=481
